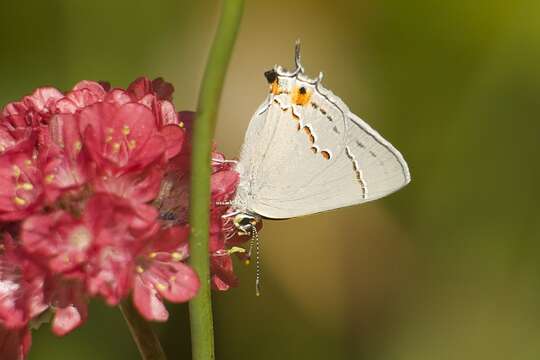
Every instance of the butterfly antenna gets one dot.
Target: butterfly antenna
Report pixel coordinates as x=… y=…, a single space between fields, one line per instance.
x=255 y=238
x=299 y=66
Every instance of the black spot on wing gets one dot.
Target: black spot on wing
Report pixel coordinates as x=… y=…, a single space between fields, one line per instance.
x=271 y=75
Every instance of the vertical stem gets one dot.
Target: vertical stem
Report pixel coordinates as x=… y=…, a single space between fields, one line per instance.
x=143 y=335
x=200 y=308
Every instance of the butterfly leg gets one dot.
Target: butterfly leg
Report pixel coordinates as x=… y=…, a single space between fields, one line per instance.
x=223 y=161
x=230 y=214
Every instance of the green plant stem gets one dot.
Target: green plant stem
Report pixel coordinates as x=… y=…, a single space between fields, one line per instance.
x=143 y=335
x=200 y=308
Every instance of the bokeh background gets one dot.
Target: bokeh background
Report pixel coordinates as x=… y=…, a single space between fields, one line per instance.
x=447 y=268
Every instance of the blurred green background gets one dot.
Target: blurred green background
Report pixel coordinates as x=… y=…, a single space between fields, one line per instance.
x=447 y=268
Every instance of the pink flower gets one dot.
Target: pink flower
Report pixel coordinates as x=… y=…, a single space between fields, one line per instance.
x=33 y=110
x=82 y=176
x=15 y=139
x=120 y=232
x=41 y=103
x=58 y=240
x=161 y=274
x=83 y=94
x=121 y=138
x=66 y=164
x=21 y=187
x=21 y=287
x=141 y=185
x=69 y=301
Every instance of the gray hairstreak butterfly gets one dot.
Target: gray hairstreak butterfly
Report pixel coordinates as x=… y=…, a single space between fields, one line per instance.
x=305 y=152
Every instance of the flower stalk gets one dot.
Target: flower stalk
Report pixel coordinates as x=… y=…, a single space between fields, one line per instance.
x=142 y=333
x=202 y=336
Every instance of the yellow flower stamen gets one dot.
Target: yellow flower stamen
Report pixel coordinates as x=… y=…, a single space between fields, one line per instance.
x=19 y=201
x=161 y=287
x=177 y=256
x=26 y=186
x=49 y=178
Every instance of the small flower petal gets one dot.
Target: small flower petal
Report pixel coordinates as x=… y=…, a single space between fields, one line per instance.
x=147 y=302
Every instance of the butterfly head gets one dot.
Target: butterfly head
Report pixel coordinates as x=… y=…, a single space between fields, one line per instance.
x=245 y=223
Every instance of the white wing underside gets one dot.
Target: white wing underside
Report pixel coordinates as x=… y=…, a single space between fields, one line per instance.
x=283 y=172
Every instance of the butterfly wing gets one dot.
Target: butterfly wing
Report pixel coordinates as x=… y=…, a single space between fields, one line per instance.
x=305 y=152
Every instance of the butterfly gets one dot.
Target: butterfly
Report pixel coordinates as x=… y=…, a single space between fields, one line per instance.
x=305 y=152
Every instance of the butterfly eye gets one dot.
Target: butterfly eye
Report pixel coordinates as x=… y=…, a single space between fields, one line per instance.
x=246 y=221
x=242 y=221
x=302 y=90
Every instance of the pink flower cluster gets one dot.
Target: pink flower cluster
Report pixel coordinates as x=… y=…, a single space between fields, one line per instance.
x=84 y=177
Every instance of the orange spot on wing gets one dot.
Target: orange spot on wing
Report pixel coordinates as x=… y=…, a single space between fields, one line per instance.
x=325 y=154
x=309 y=134
x=301 y=96
x=274 y=88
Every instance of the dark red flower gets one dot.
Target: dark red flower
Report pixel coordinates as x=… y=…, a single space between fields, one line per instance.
x=173 y=202
x=223 y=276
x=15 y=344
x=157 y=96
